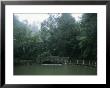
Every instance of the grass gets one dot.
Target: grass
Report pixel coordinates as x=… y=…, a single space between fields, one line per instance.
x=54 y=70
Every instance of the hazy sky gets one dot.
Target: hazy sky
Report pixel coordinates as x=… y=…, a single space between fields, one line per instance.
x=38 y=18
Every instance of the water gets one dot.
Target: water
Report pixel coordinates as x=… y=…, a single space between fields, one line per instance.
x=54 y=70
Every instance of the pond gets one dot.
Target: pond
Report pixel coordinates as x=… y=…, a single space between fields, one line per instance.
x=54 y=70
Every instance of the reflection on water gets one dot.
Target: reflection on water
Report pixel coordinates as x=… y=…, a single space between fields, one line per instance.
x=53 y=69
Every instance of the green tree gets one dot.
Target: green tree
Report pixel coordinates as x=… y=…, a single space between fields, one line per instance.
x=26 y=44
x=88 y=36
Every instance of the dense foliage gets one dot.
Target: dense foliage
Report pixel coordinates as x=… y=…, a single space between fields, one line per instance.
x=59 y=35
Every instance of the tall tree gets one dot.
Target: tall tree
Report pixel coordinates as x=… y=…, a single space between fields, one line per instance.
x=88 y=42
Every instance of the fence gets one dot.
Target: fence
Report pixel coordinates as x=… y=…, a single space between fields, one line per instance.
x=57 y=60
x=85 y=62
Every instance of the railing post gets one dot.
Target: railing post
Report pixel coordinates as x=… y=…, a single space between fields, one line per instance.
x=95 y=63
x=77 y=61
x=83 y=61
x=89 y=62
